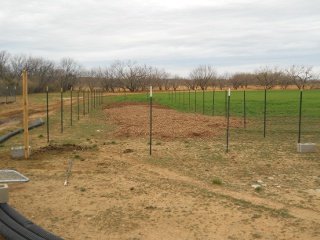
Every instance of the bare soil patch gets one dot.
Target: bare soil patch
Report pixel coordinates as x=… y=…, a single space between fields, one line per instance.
x=132 y=120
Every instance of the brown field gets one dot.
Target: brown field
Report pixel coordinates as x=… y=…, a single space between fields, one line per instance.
x=189 y=188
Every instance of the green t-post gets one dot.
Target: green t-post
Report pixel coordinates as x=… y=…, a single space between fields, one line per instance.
x=61 y=109
x=300 y=113
x=150 y=120
x=48 y=137
x=228 y=119
x=71 y=106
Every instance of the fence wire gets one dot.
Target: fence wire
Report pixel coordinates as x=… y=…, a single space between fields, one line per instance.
x=8 y=94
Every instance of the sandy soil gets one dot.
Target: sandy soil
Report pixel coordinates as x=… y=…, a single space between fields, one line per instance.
x=118 y=191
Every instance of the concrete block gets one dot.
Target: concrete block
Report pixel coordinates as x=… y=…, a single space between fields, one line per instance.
x=4 y=193
x=17 y=152
x=306 y=147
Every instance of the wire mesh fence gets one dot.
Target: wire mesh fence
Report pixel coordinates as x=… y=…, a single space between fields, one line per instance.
x=8 y=94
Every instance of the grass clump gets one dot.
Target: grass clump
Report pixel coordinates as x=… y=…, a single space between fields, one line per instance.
x=216 y=181
x=256 y=235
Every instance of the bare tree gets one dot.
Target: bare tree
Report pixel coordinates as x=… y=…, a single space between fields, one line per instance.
x=44 y=73
x=242 y=80
x=284 y=81
x=221 y=81
x=314 y=83
x=203 y=75
x=300 y=75
x=190 y=84
x=268 y=78
x=118 y=68
x=146 y=80
x=131 y=75
x=166 y=83
x=18 y=64
x=109 y=79
x=93 y=77
x=237 y=80
x=4 y=60
x=176 y=81
x=158 y=77
x=69 y=71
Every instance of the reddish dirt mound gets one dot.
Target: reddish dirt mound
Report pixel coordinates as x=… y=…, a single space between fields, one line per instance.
x=133 y=120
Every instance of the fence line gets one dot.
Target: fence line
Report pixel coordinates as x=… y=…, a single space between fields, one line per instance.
x=8 y=94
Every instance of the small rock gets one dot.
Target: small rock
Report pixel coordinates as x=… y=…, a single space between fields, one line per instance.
x=151 y=207
x=260 y=181
x=264 y=185
x=270 y=178
x=256 y=185
x=128 y=150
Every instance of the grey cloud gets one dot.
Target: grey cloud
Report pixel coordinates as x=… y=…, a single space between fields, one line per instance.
x=228 y=34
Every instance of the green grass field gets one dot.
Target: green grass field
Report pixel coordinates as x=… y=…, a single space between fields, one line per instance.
x=279 y=103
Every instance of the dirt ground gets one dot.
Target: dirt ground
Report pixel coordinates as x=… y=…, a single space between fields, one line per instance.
x=189 y=188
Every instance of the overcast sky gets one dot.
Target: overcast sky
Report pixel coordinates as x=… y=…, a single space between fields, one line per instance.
x=177 y=35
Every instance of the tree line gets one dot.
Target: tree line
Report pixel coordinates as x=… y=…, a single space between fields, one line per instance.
x=132 y=76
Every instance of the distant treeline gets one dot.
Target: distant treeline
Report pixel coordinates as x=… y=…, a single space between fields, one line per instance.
x=132 y=76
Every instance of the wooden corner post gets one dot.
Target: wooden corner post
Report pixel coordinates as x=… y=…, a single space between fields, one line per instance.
x=25 y=113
